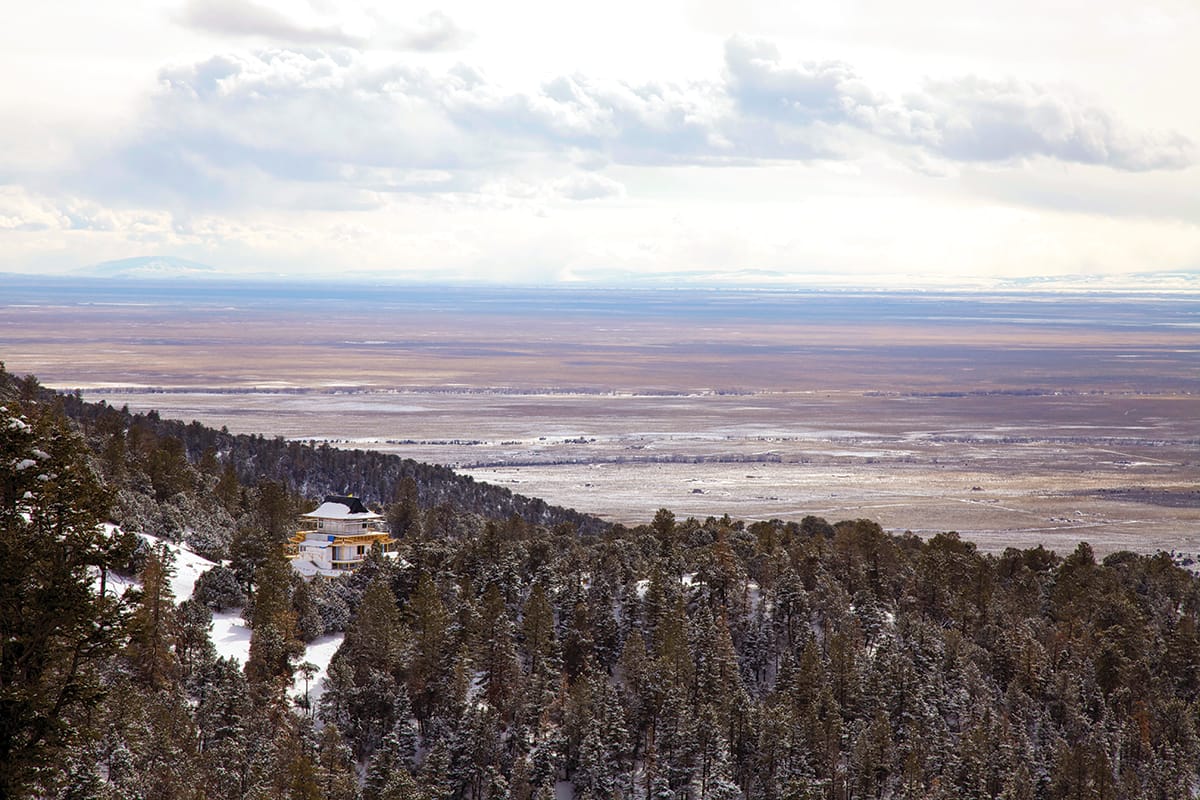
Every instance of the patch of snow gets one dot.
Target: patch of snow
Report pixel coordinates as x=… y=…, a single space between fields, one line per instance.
x=231 y=636
x=188 y=567
x=754 y=594
x=319 y=652
x=24 y=463
x=113 y=584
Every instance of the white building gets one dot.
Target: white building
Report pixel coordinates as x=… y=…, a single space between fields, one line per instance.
x=336 y=537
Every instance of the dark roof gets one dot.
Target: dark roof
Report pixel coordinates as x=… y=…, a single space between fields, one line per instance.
x=353 y=503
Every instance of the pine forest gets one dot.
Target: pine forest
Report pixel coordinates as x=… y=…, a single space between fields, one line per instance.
x=512 y=649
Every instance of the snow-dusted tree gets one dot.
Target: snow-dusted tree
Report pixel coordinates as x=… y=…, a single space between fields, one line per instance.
x=55 y=626
x=153 y=627
x=496 y=655
x=336 y=776
x=274 y=646
x=218 y=589
x=430 y=625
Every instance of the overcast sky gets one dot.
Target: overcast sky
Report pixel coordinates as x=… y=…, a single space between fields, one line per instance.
x=541 y=142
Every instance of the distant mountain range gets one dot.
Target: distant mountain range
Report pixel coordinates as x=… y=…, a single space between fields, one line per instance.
x=152 y=267
x=169 y=267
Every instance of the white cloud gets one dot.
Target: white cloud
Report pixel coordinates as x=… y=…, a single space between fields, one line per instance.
x=394 y=139
x=589 y=186
x=332 y=128
x=763 y=84
x=966 y=120
x=978 y=120
x=248 y=18
x=434 y=31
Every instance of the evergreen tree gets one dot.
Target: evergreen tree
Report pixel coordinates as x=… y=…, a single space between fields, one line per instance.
x=404 y=513
x=364 y=686
x=431 y=647
x=218 y=589
x=274 y=646
x=496 y=654
x=153 y=627
x=335 y=775
x=537 y=632
x=56 y=629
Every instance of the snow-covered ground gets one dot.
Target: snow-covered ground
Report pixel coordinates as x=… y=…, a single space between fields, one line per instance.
x=188 y=566
x=230 y=635
x=319 y=652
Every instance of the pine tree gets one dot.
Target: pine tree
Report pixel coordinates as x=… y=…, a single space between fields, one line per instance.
x=496 y=655
x=377 y=638
x=228 y=490
x=153 y=627
x=218 y=589
x=429 y=623
x=335 y=775
x=365 y=680
x=309 y=623
x=193 y=645
x=274 y=646
x=404 y=513
x=537 y=631
x=55 y=627
x=387 y=770
x=671 y=649
x=224 y=722
x=577 y=644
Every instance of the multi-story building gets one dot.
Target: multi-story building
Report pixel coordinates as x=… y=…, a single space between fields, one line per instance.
x=336 y=538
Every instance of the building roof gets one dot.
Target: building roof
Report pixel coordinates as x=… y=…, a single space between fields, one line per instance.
x=313 y=543
x=339 y=507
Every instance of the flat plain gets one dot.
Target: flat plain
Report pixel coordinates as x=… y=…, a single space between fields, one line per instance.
x=1015 y=419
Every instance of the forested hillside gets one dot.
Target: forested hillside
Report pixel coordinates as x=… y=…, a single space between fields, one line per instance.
x=159 y=448
x=683 y=659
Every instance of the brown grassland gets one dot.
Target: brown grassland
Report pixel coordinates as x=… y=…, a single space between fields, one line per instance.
x=1010 y=434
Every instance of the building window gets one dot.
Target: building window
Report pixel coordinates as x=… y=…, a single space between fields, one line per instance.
x=320 y=524
x=361 y=549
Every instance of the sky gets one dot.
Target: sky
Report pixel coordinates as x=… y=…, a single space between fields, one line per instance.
x=758 y=141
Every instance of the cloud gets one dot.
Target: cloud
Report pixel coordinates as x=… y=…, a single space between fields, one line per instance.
x=975 y=120
x=433 y=32
x=648 y=123
x=588 y=186
x=970 y=120
x=247 y=18
x=330 y=128
x=290 y=128
x=763 y=85
x=22 y=210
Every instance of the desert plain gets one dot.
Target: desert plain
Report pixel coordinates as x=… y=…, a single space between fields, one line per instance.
x=1014 y=419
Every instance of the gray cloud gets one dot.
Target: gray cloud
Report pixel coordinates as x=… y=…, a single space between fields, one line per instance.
x=969 y=120
x=432 y=32
x=985 y=121
x=588 y=186
x=326 y=127
x=246 y=18
x=763 y=85
x=636 y=124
